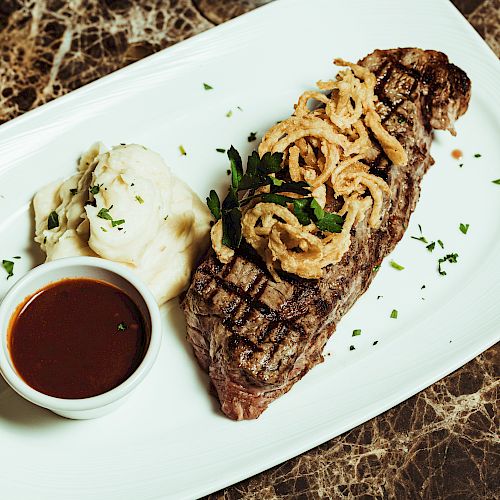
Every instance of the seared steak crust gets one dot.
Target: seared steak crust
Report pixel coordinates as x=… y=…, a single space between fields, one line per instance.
x=255 y=337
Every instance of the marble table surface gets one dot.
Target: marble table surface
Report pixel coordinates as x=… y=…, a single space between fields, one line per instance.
x=442 y=443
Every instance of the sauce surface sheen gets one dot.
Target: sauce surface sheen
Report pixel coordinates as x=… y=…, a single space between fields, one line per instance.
x=77 y=338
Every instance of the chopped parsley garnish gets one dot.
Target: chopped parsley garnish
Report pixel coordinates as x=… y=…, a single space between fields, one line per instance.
x=258 y=174
x=16 y=257
x=104 y=229
x=220 y=150
x=73 y=191
x=229 y=114
x=206 y=86
x=8 y=265
x=379 y=297
x=351 y=348
x=252 y=136
x=477 y=155
x=496 y=181
x=451 y=257
x=375 y=268
x=375 y=342
x=422 y=287
x=53 y=220
x=397 y=266
x=182 y=150
x=440 y=243
x=139 y=199
x=420 y=238
x=394 y=314
x=104 y=214
x=122 y=326
x=464 y=228
x=431 y=246
x=460 y=165
x=166 y=217
x=95 y=189
x=355 y=333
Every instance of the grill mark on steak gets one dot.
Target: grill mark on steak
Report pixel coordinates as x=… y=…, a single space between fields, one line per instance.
x=255 y=337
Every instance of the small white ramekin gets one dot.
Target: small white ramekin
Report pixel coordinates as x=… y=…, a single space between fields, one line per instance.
x=80 y=267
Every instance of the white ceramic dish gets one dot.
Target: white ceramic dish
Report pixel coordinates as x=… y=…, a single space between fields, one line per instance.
x=169 y=440
x=80 y=267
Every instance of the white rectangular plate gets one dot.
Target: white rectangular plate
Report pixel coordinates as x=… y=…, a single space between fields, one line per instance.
x=169 y=439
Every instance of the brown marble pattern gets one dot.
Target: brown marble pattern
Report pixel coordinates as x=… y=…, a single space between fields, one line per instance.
x=442 y=443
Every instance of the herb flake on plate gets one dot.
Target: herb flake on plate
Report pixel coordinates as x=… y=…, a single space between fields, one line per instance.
x=451 y=257
x=206 y=86
x=252 y=136
x=220 y=150
x=464 y=228
x=395 y=265
x=139 y=199
x=394 y=314
x=182 y=150
x=356 y=333
x=496 y=181
x=8 y=265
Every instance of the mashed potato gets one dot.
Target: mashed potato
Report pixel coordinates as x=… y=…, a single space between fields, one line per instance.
x=125 y=205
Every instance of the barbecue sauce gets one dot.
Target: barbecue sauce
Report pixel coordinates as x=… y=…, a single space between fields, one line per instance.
x=77 y=338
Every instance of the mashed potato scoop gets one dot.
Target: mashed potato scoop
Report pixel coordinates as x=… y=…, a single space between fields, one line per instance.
x=125 y=205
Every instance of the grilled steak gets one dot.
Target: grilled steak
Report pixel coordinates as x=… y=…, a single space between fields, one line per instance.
x=256 y=337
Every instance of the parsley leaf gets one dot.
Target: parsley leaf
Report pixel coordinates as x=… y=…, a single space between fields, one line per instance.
x=355 y=333
x=229 y=114
x=451 y=257
x=119 y=222
x=464 y=228
x=441 y=244
x=220 y=150
x=231 y=228
x=252 y=136
x=95 y=189
x=104 y=214
x=182 y=150
x=331 y=223
x=351 y=348
x=477 y=155
x=8 y=265
x=213 y=203
x=139 y=199
x=431 y=246
x=206 y=86
x=236 y=166
x=420 y=238
x=496 y=181
x=53 y=220
x=395 y=265
x=394 y=314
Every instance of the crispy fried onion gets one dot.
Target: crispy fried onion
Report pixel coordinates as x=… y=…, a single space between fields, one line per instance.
x=330 y=148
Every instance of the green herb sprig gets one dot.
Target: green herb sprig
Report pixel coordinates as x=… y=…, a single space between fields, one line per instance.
x=259 y=174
